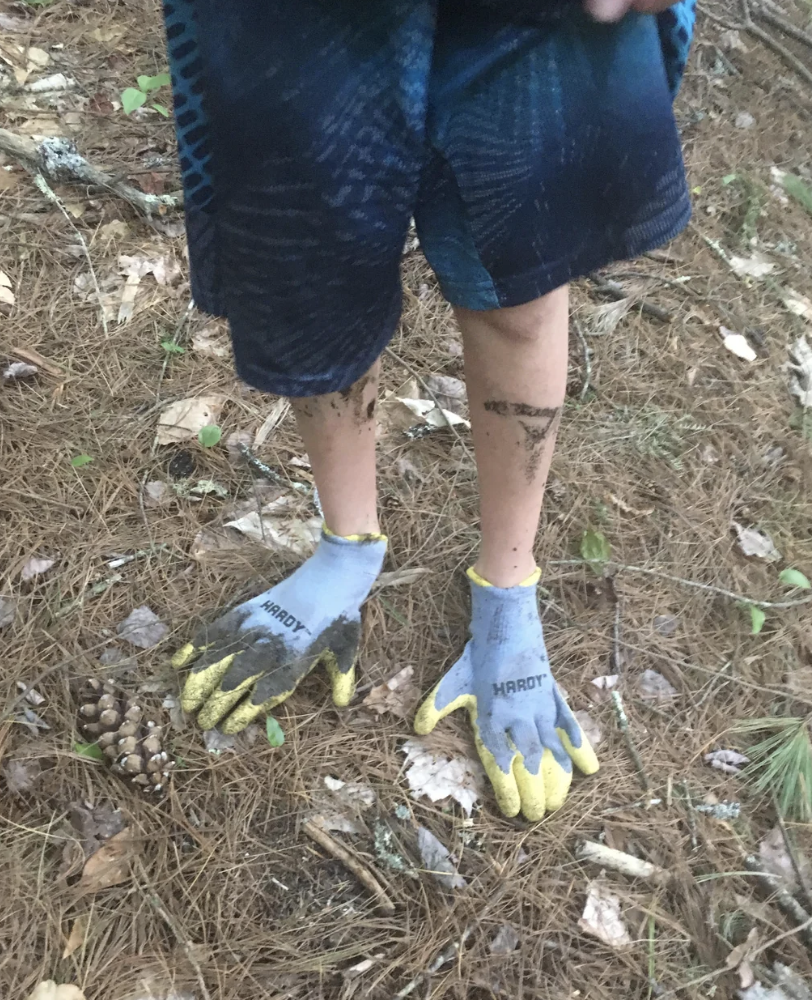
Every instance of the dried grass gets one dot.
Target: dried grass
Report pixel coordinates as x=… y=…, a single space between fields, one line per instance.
x=268 y=914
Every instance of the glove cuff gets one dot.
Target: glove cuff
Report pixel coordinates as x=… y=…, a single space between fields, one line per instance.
x=371 y=536
x=480 y=581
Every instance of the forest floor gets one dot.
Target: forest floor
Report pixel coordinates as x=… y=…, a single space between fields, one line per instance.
x=683 y=471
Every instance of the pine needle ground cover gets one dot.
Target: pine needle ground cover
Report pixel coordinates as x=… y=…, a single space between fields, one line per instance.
x=334 y=854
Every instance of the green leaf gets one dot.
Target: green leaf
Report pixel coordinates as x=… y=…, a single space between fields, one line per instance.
x=595 y=549
x=91 y=750
x=132 y=98
x=172 y=348
x=757 y=619
x=209 y=435
x=729 y=178
x=79 y=460
x=151 y=83
x=276 y=736
x=161 y=109
x=794 y=578
x=799 y=190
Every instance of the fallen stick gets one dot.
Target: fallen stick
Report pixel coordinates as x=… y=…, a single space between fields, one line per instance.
x=623 y=725
x=784 y=899
x=616 y=291
x=59 y=162
x=619 y=861
x=350 y=862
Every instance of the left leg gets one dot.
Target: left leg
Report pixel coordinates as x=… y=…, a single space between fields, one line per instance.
x=516 y=373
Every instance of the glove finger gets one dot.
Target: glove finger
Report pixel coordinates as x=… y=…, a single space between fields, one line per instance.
x=276 y=683
x=200 y=684
x=527 y=769
x=220 y=701
x=455 y=690
x=577 y=746
x=556 y=766
x=337 y=648
x=494 y=750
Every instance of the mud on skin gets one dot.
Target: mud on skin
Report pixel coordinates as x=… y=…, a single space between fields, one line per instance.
x=538 y=423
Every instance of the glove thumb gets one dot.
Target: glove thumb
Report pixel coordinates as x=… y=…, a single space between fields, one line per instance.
x=455 y=690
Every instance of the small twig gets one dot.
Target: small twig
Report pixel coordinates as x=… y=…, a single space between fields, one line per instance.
x=616 y=663
x=690 y=814
x=640 y=804
x=771 y=17
x=616 y=291
x=453 y=948
x=784 y=899
x=587 y=359
x=707 y=587
x=91 y=590
x=432 y=395
x=59 y=162
x=360 y=871
x=188 y=947
x=619 y=861
x=623 y=725
x=42 y=184
x=781 y=50
x=140 y=554
x=269 y=473
x=793 y=856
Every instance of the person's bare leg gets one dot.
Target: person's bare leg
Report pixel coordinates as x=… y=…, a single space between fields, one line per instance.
x=338 y=430
x=516 y=373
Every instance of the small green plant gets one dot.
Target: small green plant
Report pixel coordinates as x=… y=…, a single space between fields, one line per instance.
x=91 y=750
x=209 y=435
x=781 y=764
x=655 y=433
x=171 y=347
x=753 y=197
x=596 y=550
x=148 y=86
x=801 y=420
x=794 y=578
x=799 y=190
x=757 y=619
x=81 y=460
x=274 y=732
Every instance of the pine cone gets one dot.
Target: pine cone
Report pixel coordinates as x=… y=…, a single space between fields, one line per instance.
x=132 y=744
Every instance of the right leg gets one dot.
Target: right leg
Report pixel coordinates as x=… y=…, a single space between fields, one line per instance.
x=338 y=430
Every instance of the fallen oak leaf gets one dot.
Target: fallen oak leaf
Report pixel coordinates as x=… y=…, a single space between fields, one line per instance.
x=437 y=859
x=76 y=938
x=49 y=990
x=35 y=567
x=602 y=917
x=756 y=543
x=398 y=695
x=184 y=419
x=142 y=628
x=110 y=865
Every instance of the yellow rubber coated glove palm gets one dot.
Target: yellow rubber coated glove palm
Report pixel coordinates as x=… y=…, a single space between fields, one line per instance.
x=526 y=736
x=252 y=659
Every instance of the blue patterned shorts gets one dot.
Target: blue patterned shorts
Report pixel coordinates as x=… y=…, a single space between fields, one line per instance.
x=530 y=144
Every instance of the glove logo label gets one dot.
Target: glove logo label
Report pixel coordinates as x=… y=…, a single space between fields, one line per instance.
x=287 y=619
x=522 y=684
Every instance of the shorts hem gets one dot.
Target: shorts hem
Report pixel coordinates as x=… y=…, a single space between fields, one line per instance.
x=302 y=386
x=530 y=285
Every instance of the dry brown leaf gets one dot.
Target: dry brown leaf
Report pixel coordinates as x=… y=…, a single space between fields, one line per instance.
x=591 y=728
x=801 y=372
x=437 y=859
x=774 y=858
x=800 y=305
x=35 y=566
x=110 y=865
x=756 y=543
x=438 y=777
x=737 y=344
x=754 y=266
x=8 y=180
x=19 y=369
x=602 y=917
x=143 y=628
x=49 y=990
x=211 y=342
x=183 y=419
x=76 y=937
x=8 y=609
x=398 y=695
x=652 y=686
x=277 y=414
x=283 y=534
x=212 y=540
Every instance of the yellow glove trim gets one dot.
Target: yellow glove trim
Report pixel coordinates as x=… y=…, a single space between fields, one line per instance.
x=480 y=581
x=200 y=685
x=517 y=789
x=343 y=683
x=220 y=703
x=369 y=537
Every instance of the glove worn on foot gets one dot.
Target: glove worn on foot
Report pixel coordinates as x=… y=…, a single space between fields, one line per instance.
x=252 y=658
x=526 y=735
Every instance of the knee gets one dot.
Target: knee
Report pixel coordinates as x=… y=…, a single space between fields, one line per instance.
x=526 y=324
